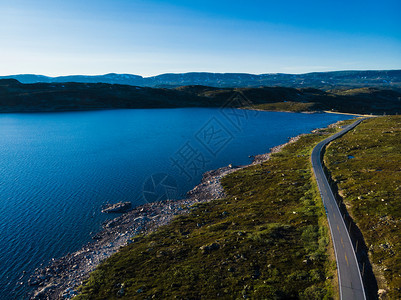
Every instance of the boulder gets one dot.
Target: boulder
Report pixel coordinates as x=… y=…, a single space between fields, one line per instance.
x=119 y=207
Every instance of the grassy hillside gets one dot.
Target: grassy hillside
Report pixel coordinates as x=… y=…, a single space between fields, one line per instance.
x=267 y=240
x=18 y=97
x=357 y=101
x=366 y=165
x=287 y=106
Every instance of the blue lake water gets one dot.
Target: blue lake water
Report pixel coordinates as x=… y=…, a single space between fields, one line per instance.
x=58 y=169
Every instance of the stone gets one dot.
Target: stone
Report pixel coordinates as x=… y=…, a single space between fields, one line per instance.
x=209 y=248
x=119 y=207
x=382 y=293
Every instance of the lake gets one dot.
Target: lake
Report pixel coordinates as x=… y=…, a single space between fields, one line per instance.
x=58 y=169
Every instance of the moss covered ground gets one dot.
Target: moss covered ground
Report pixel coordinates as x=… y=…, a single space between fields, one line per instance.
x=266 y=240
x=366 y=165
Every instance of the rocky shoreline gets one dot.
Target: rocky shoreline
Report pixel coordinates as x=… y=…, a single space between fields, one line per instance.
x=60 y=279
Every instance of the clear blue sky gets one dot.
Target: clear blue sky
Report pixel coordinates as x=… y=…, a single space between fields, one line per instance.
x=54 y=37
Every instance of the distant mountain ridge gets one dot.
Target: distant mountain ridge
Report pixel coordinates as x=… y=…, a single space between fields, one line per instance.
x=321 y=80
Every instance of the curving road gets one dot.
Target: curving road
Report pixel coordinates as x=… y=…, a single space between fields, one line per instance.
x=349 y=276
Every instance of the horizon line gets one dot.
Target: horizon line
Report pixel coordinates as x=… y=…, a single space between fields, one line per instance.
x=203 y=72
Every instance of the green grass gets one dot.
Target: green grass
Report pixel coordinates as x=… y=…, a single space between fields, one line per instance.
x=288 y=106
x=370 y=184
x=266 y=240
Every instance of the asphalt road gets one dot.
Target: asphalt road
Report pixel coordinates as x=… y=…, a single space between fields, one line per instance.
x=349 y=276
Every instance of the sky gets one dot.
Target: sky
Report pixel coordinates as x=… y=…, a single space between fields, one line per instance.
x=54 y=37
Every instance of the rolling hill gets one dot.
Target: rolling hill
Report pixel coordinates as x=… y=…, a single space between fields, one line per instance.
x=46 y=97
